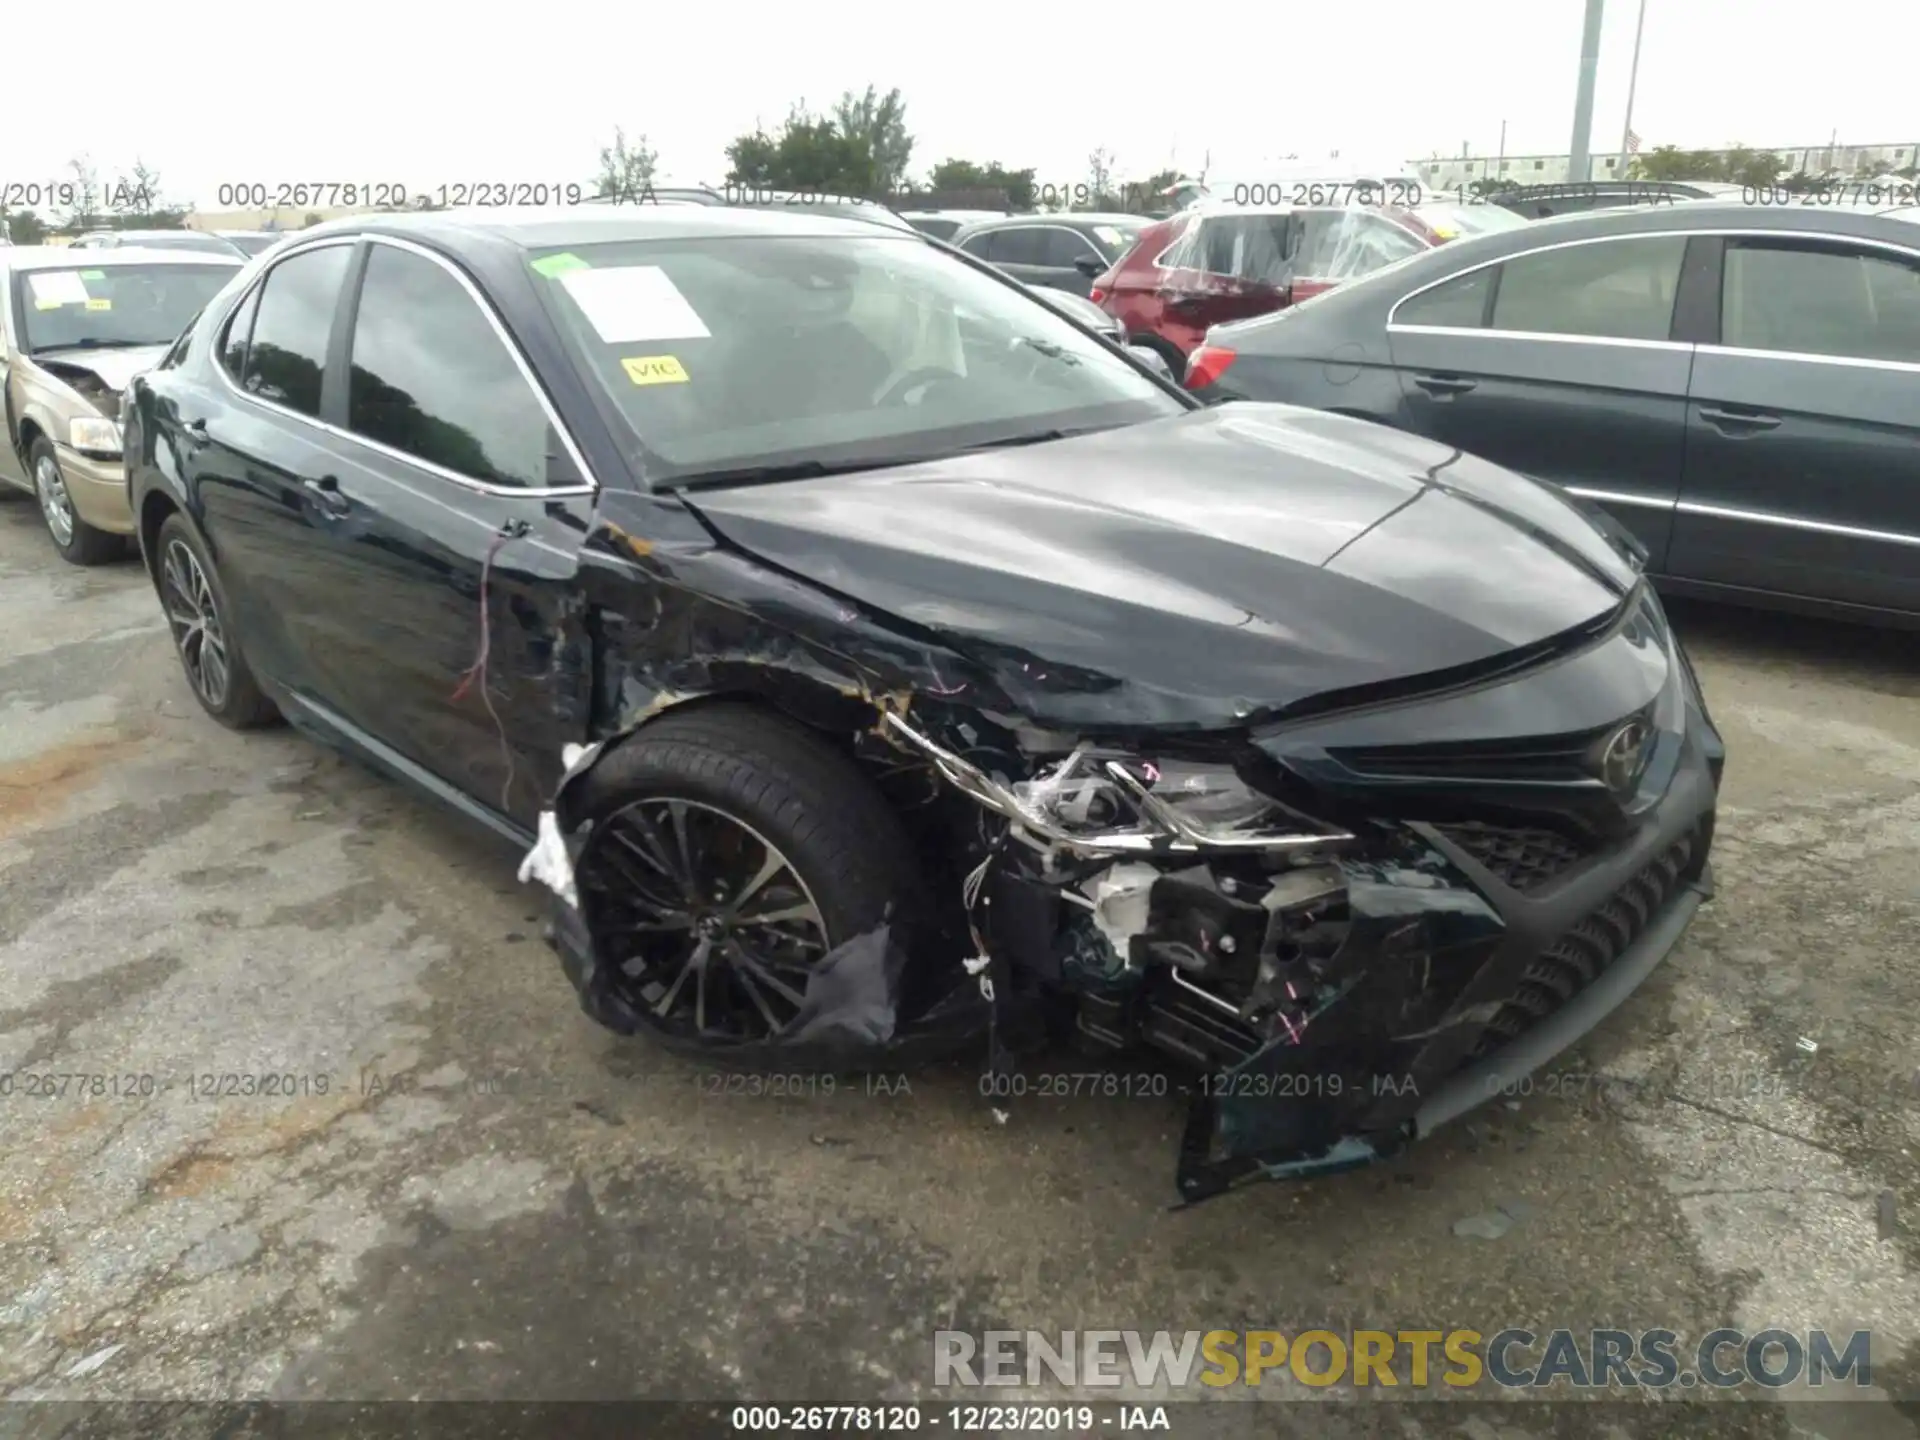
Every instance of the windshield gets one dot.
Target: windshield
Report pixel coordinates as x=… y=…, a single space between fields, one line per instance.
x=750 y=352
x=251 y=244
x=113 y=304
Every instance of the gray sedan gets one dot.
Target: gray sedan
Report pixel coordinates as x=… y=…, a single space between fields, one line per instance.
x=1739 y=385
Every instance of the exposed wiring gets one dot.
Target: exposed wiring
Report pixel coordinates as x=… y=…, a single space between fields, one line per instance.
x=476 y=673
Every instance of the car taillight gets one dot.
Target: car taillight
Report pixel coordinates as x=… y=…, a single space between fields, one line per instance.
x=1208 y=364
x=1097 y=295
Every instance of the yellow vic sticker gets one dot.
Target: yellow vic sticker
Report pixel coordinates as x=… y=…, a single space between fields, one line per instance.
x=46 y=304
x=655 y=370
x=99 y=304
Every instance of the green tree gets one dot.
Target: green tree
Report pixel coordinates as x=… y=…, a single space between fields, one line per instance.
x=1015 y=187
x=626 y=169
x=1758 y=168
x=24 y=227
x=880 y=121
x=810 y=153
x=1670 y=162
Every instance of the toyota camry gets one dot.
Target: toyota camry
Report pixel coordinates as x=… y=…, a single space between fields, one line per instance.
x=873 y=661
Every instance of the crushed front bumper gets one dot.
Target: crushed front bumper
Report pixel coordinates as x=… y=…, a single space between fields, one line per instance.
x=1468 y=970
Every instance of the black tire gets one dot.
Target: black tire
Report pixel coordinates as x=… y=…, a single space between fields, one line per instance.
x=795 y=792
x=238 y=703
x=83 y=544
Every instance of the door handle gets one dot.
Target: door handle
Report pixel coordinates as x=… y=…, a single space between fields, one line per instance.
x=1737 y=421
x=196 y=428
x=326 y=495
x=1444 y=387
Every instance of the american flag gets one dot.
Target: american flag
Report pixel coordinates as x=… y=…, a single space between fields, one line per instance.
x=1633 y=143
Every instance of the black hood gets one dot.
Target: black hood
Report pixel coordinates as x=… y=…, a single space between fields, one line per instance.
x=1199 y=570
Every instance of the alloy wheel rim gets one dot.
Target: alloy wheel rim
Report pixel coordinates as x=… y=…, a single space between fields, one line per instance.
x=195 y=618
x=706 y=925
x=55 y=503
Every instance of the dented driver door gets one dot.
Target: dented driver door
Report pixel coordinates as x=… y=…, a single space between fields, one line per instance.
x=457 y=510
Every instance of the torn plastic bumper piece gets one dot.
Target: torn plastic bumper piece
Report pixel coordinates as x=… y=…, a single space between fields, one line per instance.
x=1231 y=1132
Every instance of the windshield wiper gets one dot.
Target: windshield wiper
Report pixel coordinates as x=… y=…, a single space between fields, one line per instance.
x=788 y=470
x=1037 y=437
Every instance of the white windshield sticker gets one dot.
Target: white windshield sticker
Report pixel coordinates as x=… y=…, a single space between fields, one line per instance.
x=1108 y=235
x=633 y=302
x=57 y=287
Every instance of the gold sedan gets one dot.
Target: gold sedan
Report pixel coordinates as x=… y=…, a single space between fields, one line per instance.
x=76 y=325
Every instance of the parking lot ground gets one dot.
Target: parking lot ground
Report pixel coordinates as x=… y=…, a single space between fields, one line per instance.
x=458 y=1187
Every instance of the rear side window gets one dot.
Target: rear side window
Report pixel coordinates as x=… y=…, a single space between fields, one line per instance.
x=1064 y=247
x=1615 y=289
x=1460 y=303
x=431 y=377
x=1255 y=248
x=286 y=357
x=1022 y=245
x=1826 y=301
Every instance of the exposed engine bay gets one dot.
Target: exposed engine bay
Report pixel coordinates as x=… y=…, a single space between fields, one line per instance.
x=87 y=384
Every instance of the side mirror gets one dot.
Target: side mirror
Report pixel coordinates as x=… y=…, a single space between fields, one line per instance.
x=1154 y=361
x=1091 y=268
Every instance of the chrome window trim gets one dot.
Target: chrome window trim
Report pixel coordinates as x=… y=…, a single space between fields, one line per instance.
x=1553 y=337
x=1728 y=233
x=590 y=486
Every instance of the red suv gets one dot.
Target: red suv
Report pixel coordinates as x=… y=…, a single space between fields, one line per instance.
x=1212 y=264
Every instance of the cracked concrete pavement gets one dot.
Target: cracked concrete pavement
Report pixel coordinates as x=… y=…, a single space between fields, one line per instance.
x=454 y=1186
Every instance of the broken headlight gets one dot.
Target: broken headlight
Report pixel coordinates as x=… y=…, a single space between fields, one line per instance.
x=1110 y=801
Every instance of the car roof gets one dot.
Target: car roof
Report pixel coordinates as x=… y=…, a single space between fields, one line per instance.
x=535 y=227
x=65 y=257
x=1069 y=218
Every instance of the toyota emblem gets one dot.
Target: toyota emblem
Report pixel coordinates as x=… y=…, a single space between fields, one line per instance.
x=1620 y=762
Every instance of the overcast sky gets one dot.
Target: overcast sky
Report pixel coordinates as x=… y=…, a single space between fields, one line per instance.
x=398 y=90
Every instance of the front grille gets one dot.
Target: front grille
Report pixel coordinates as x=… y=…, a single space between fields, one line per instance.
x=1522 y=858
x=1577 y=958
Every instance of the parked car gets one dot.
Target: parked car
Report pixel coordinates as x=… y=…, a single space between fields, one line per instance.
x=811 y=602
x=944 y=224
x=1060 y=251
x=1739 y=387
x=806 y=202
x=198 y=240
x=74 y=330
x=1216 y=263
x=1458 y=219
x=252 y=242
x=1577 y=197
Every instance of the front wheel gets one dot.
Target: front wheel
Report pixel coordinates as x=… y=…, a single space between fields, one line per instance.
x=200 y=618
x=731 y=853
x=78 y=542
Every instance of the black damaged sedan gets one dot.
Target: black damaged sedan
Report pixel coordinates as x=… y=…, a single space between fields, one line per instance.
x=873 y=661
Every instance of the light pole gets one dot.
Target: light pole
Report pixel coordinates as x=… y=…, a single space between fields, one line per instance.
x=1633 y=80
x=1579 y=163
